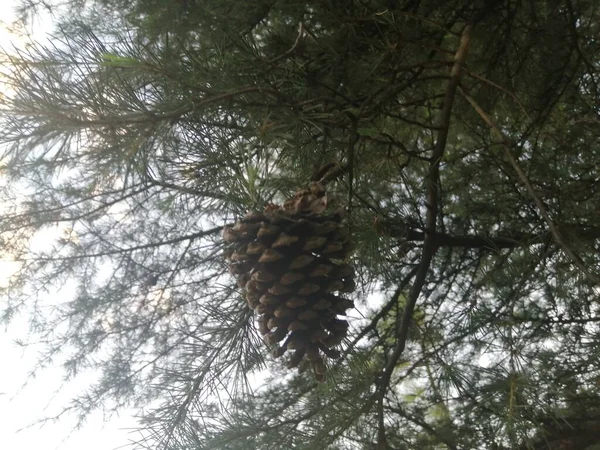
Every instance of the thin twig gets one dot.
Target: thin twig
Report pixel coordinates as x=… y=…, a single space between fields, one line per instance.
x=384 y=310
x=351 y=143
x=293 y=47
x=429 y=245
x=120 y=250
x=501 y=88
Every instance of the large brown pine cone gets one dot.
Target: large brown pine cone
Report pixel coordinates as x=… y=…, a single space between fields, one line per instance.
x=290 y=262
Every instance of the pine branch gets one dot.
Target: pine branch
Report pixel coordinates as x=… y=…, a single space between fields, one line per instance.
x=117 y=251
x=508 y=240
x=429 y=247
x=384 y=311
x=507 y=145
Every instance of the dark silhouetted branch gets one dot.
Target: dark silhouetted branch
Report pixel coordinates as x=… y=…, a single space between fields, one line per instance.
x=429 y=247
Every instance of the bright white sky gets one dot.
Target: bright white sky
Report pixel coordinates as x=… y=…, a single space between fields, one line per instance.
x=21 y=406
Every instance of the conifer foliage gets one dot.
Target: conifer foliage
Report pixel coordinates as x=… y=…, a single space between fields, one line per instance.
x=400 y=197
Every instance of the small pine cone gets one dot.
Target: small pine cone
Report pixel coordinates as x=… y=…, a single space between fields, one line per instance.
x=320 y=377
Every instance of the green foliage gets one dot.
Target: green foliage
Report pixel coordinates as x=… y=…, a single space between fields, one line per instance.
x=144 y=126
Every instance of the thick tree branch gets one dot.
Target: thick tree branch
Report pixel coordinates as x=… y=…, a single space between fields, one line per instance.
x=508 y=239
x=429 y=247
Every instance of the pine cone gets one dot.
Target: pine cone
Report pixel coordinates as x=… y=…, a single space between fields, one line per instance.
x=288 y=261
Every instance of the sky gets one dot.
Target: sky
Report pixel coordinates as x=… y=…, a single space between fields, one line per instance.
x=25 y=401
